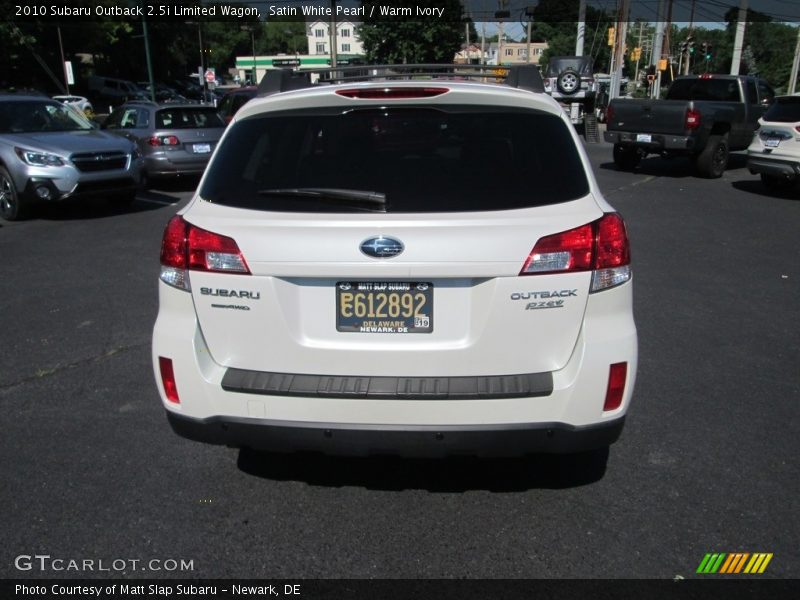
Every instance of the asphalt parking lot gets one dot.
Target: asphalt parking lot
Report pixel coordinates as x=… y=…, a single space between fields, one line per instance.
x=707 y=462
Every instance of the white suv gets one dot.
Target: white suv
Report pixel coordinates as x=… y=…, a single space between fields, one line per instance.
x=774 y=153
x=416 y=267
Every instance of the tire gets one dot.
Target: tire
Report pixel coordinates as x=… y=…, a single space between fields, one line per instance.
x=776 y=183
x=568 y=82
x=12 y=207
x=626 y=158
x=713 y=160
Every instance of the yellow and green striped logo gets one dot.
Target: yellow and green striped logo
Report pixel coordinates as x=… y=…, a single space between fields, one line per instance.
x=734 y=563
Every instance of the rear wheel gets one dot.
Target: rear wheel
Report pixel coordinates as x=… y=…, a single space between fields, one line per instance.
x=12 y=207
x=713 y=160
x=626 y=157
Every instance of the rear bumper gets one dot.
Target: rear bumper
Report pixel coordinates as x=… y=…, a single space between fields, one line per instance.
x=412 y=441
x=777 y=167
x=658 y=142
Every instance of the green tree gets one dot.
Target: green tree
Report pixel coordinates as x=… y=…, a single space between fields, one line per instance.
x=405 y=41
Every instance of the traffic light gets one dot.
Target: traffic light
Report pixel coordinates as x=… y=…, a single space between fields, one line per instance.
x=636 y=54
x=684 y=47
x=691 y=45
x=612 y=35
x=709 y=48
x=704 y=49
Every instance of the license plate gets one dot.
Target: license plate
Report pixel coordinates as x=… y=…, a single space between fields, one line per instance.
x=772 y=142
x=201 y=148
x=644 y=137
x=384 y=307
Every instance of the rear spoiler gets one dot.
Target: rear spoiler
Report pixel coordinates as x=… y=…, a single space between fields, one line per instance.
x=524 y=77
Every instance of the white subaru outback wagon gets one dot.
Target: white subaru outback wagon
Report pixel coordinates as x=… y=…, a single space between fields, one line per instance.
x=419 y=265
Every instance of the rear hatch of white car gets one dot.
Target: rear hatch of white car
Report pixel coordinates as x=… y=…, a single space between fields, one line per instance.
x=779 y=134
x=394 y=240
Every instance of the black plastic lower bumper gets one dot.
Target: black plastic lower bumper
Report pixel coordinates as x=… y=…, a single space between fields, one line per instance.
x=778 y=168
x=412 y=441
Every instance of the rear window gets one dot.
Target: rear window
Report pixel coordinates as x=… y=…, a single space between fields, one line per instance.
x=188 y=118
x=720 y=90
x=784 y=110
x=397 y=160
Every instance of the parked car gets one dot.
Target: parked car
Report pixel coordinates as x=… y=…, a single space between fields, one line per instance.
x=570 y=81
x=704 y=117
x=79 y=102
x=398 y=266
x=175 y=139
x=234 y=100
x=108 y=91
x=774 y=153
x=50 y=152
x=164 y=93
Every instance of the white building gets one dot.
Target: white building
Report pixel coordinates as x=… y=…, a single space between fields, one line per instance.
x=347 y=42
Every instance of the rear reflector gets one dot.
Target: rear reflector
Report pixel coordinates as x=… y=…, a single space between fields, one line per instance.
x=616 y=386
x=189 y=248
x=601 y=247
x=392 y=93
x=168 y=379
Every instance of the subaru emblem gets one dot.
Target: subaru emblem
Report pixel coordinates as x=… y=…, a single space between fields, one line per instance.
x=381 y=247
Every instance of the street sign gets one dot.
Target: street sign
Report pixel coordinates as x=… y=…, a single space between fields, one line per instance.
x=210 y=76
x=68 y=70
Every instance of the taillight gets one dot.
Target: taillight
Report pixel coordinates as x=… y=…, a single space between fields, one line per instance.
x=168 y=379
x=617 y=374
x=186 y=247
x=392 y=93
x=601 y=247
x=163 y=140
x=692 y=119
x=609 y=114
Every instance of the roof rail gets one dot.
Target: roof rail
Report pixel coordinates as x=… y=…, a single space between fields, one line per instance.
x=524 y=77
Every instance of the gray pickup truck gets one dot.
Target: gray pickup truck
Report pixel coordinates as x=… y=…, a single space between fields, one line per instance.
x=704 y=117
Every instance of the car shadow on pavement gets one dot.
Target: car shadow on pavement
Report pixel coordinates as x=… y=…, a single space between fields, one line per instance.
x=453 y=474
x=754 y=186
x=100 y=208
x=677 y=167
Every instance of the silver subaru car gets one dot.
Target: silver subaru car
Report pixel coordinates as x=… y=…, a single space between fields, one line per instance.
x=50 y=152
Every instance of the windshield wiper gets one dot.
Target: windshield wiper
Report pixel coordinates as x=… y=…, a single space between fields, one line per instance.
x=331 y=194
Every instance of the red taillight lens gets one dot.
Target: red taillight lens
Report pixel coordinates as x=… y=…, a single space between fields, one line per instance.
x=163 y=140
x=692 y=119
x=613 y=248
x=616 y=386
x=566 y=251
x=185 y=246
x=394 y=93
x=168 y=379
x=609 y=114
x=213 y=252
x=599 y=245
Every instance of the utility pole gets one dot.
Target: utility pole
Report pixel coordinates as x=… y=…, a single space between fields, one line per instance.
x=333 y=41
x=581 y=28
x=738 y=42
x=619 y=49
x=639 y=55
x=658 y=42
x=687 y=66
x=63 y=60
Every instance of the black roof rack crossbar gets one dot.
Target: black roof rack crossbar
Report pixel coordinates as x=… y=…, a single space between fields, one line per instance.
x=525 y=77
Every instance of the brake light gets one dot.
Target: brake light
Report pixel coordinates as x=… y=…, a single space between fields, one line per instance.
x=188 y=248
x=163 y=140
x=168 y=379
x=705 y=76
x=609 y=114
x=692 y=119
x=601 y=247
x=392 y=93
